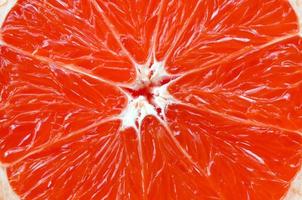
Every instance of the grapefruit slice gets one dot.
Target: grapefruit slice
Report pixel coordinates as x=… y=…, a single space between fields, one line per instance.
x=150 y=99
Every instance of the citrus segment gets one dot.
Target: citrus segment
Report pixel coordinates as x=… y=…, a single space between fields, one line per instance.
x=243 y=161
x=134 y=22
x=176 y=17
x=168 y=173
x=85 y=166
x=41 y=103
x=264 y=86
x=219 y=28
x=75 y=33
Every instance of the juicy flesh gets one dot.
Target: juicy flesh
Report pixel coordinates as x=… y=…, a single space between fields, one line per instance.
x=173 y=100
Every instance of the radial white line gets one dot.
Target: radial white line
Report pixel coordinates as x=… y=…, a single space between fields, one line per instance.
x=5 y=6
x=98 y=122
x=142 y=161
x=182 y=30
x=6 y=191
x=185 y=153
x=154 y=38
x=236 y=119
x=113 y=31
x=69 y=67
x=236 y=54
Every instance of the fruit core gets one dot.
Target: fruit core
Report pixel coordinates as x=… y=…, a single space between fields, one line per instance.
x=148 y=95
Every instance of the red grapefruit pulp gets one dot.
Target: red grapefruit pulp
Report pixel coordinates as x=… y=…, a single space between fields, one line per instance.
x=150 y=99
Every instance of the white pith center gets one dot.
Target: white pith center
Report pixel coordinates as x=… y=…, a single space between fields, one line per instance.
x=139 y=107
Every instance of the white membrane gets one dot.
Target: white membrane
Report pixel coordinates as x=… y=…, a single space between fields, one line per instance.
x=162 y=98
x=135 y=112
x=138 y=108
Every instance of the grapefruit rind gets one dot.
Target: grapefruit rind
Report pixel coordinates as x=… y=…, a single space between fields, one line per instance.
x=295 y=190
x=5 y=7
x=6 y=192
x=297 y=6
